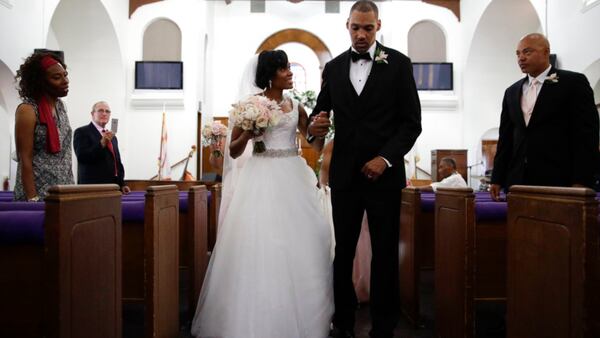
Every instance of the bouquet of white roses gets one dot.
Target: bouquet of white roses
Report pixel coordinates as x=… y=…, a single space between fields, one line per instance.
x=213 y=135
x=256 y=113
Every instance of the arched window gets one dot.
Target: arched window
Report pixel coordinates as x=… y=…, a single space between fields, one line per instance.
x=426 y=42
x=162 y=41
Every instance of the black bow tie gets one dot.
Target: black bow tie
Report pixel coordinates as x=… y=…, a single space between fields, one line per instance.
x=356 y=56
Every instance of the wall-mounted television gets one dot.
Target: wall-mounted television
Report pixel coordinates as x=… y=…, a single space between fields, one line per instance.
x=158 y=75
x=433 y=75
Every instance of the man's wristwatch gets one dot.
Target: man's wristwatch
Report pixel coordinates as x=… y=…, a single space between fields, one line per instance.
x=35 y=198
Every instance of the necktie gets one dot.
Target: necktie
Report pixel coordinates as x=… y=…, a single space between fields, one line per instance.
x=528 y=100
x=356 y=56
x=112 y=151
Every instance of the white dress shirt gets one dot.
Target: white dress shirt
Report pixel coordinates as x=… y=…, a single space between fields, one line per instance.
x=527 y=86
x=360 y=69
x=453 y=181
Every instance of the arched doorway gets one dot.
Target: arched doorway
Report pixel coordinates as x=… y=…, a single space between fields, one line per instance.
x=84 y=30
x=491 y=64
x=9 y=99
x=301 y=36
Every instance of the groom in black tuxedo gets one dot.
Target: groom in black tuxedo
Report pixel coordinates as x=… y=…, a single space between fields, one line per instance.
x=548 y=127
x=372 y=93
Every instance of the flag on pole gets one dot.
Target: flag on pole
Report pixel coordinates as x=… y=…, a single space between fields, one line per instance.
x=164 y=168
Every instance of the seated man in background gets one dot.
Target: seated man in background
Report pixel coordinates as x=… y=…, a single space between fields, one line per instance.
x=97 y=150
x=450 y=177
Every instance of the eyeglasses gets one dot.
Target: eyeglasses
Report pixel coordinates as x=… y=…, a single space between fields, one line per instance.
x=107 y=111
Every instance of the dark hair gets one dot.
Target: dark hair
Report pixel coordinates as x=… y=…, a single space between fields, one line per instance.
x=31 y=77
x=269 y=62
x=450 y=161
x=365 y=6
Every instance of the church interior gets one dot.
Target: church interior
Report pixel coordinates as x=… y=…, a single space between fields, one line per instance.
x=453 y=282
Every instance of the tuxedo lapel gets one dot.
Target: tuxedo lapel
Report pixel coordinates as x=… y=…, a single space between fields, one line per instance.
x=375 y=68
x=348 y=84
x=543 y=98
x=518 y=96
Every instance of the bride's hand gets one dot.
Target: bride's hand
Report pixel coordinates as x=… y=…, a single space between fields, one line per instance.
x=255 y=133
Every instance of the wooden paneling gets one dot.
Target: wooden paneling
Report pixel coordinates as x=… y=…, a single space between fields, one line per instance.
x=161 y=262
x=553 y=263
x=71 y=285
x=488 y=150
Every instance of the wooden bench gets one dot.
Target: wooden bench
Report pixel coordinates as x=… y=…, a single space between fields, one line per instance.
x=151 y=259
x=470 y=259
x=63 y=278
x=416 y=250
x=213 y=205
x=194 y=229
x=553 y=285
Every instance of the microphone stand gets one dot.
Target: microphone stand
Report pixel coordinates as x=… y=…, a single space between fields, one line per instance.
x=469 y=171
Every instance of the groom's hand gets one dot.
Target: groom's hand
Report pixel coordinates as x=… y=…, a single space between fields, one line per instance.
x=374 y=168
x=319 y=126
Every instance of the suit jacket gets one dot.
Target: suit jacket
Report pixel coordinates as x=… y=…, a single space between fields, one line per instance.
x=559 y=147
x=95 y=163
x=385 y=120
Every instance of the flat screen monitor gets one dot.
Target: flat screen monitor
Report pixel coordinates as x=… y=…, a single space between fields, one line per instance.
x=433 y=75
x=158 y=75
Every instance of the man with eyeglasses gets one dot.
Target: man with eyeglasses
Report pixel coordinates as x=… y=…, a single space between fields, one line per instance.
x=97 y=150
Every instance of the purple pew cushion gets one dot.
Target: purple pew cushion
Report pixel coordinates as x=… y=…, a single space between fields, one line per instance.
x=21 y=227
x=132 y=211
x=427 y=204
x=490 y=211
x=22 y=206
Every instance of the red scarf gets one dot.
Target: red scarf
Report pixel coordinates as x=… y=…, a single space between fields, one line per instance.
x=45 y=114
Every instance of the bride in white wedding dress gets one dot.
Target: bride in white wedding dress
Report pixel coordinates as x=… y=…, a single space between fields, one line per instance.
x=270 y=274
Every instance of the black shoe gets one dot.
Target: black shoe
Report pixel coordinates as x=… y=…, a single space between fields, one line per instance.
x=340 y=333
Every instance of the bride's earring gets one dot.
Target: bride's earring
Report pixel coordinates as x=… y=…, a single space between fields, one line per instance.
x=270 y=84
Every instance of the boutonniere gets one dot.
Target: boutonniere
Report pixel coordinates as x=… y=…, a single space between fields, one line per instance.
x=552 y=78
x=380 y=56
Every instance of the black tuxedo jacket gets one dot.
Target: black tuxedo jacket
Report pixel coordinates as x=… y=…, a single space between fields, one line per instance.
x=385 y=120
x=559 y=146
x=95 y=163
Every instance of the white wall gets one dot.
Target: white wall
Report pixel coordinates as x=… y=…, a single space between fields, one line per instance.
x=491 y=66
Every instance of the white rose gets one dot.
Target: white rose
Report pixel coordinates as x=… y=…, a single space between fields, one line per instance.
x=262 y=122
x=247 y=125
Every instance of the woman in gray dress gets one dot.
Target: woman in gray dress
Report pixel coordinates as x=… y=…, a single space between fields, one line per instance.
x=42 y=131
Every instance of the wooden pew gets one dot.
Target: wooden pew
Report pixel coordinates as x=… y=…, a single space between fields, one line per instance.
x=470 y=261
x=553 y=263
x=151 y=260
x=214 y=205
x=194 y=231
x=416 y=250
x=69 y=286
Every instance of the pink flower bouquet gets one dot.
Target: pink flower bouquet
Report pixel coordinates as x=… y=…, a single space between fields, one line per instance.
x=213 y=135
x=257 y=114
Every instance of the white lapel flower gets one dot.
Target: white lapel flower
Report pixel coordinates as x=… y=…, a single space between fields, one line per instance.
x=553 y=78
x=380 y=56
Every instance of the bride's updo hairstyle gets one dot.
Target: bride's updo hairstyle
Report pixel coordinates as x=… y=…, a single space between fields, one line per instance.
x=269 y=62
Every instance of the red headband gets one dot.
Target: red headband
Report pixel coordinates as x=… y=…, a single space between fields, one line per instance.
x=48 y=61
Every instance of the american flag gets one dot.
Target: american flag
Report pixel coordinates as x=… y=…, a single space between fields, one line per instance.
x=164 y=168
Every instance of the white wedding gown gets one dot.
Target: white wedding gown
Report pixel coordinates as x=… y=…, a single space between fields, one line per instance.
x=270 y=274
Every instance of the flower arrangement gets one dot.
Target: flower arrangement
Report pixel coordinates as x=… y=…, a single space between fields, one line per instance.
x=308 y=98
x=256 y=113
x=553 y=78
x=213 y=135
x=381 y=56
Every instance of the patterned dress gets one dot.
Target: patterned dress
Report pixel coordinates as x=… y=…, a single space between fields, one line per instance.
x=48 y=169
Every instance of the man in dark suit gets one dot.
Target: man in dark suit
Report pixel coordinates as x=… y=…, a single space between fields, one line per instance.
x=548 y=126
x=97 y=150
x=377 y=114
